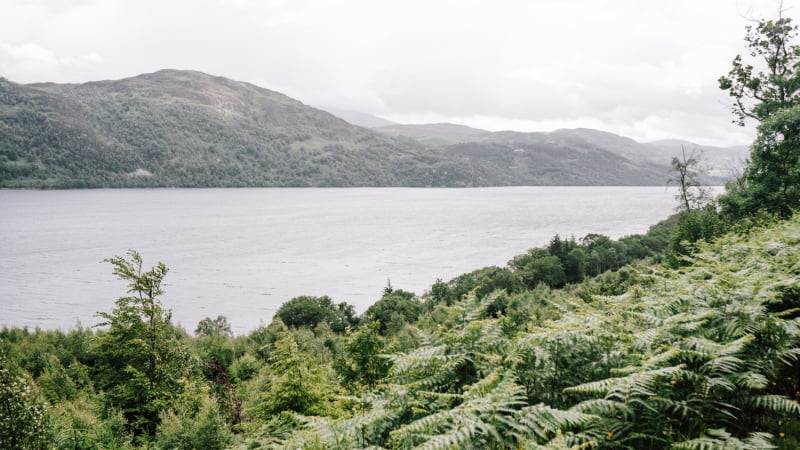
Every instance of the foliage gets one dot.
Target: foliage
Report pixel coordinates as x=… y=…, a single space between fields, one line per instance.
x=293 y=381
x=700 y=357
x=771 y=97
x=363 y=361
x=193 y=428
x=77 y=426
x=539 y=266
x=395 y=308
x=691 y=227
x=480 y=282
x=773 y=175
x=307 y=311
x=760 y=94
x=214 y=327
x=141 y=361
x=23 y=419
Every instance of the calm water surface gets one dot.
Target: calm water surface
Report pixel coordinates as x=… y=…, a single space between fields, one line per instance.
x=243 y=252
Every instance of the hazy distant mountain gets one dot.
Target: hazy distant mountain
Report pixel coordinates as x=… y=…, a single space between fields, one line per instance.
x=185 y=128
x=724 y=162
x=358 y=118
x=435 y=133
x=563 y=157
x=720 y=163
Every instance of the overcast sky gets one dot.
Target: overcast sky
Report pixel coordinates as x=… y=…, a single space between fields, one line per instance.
x=646 y=69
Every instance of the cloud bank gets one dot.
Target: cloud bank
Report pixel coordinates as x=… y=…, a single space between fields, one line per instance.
x=646 y=70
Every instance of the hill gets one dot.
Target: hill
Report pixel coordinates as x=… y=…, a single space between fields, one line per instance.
x=182 y=128
x=724 y=162
x=188 y=129
x=720 y=163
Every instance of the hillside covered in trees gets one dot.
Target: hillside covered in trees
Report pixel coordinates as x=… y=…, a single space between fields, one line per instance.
x=187 y=129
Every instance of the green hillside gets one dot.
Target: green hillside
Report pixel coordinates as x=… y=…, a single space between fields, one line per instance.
x=572 y=155
x=180 y=128
x=189 y=129
x=704 y=355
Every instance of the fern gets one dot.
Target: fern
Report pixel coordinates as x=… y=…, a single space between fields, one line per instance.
x=773 y=403
x=722 y=440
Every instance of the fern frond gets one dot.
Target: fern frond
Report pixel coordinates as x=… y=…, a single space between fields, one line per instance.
x=645 y=339
x=542 y=421
x=724 y=365
x=485 y=406
x=722 y=440
x=358 y=431
x=456 y=437
x=774 y=403
x=603 y=407
x=789 y=356
x=404 y=362
x=664 y=356
x=750 y=380
x=640 y=383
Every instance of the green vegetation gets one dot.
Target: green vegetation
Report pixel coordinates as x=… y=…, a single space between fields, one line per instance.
x=687 y=337
x=646 y=354
x=771 y=181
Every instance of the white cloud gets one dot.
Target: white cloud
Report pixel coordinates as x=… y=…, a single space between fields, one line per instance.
x=37 y=63
x=648 y=68
x=29 y=52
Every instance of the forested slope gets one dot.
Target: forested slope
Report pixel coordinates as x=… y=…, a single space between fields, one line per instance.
x=189 y=129
x=703 y=356
x=184 y=128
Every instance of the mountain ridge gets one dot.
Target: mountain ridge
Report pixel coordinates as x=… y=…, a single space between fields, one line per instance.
x=720 y=162
x=178 y=128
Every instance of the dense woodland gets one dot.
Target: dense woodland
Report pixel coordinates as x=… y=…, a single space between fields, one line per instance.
x=178 y=128
x=686 y=337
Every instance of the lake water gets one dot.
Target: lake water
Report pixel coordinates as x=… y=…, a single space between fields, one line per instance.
x=243 y=252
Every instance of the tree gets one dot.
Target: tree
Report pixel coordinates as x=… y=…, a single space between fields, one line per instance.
x=364 y=361
x=773 y=176
x=294 y=381
x=395 y=308
x=308 y=311
x=141 y=361
x=772 y=97
x=23 y=423
x=575 y=265
x=759 y=94
x=214 y=327
x=539 y=266
x=691 y=193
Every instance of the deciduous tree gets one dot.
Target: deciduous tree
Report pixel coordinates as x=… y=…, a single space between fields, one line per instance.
x=768 y=91
x=686 y=176
x=141 y=361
